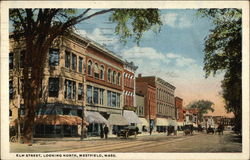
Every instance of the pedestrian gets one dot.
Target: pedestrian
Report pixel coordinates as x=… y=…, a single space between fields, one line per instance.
x=101 y=132
x=106 y=131
x=136 y=131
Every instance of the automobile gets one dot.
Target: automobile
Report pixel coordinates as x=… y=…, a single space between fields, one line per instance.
x=210 y=130
x=127 y=131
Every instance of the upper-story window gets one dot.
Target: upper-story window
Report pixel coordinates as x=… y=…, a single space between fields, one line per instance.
x=53 y=57
x=80 y=64
x=11 y=59
x=96 y=71
x=89 y=94
x=89 y=67
x=67 y=59
x=69 y=89
x=109 y=75
x=53 y=87
x=102 y=72
x=118 y=81
x=80 y=91
x=74 y=60
x=11 y=90
x=22 y=57
x=114 y=77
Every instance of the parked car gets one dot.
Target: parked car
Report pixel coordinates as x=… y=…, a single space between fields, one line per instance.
x=210 y=130
x=128 y=131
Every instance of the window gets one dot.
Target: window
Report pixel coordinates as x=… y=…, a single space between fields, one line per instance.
x=53 y=87
x=95 y=95
x=109 y=98
x=69 y=89
x=89 y=68
x=113 y=99
x=11 y=90
x=22 y=57
x=10 y=113
x=114 y=77
x=11 y=58
x=74 y=59
x=118 y=79
x=109 y=75
x=89 y=94
x=96 y=71
x=80 y=64
x=118 y=99
x=102 y=73
x=67 y=59
x=80 y=91
x=22 y=109
x=53 y=57
x=101 y=96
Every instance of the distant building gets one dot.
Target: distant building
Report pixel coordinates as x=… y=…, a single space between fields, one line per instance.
x=179 y=111
x=165 y=112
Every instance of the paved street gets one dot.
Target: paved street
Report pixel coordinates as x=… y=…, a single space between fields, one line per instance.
x=199 y=142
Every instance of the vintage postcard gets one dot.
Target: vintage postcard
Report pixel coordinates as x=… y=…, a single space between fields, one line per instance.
x=125 y=80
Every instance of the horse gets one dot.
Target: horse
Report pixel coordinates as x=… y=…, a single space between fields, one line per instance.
x=220 y=129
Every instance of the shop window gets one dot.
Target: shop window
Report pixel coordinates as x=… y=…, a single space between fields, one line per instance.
x=79 y=113
x=74 y=60
x=53 y=57
x=66 y=111
x=102 y=73
x=89 y=94
x=80 y=91
x=11 y=59
x=89 y=68
x=11 y=90
x=53 y=87
x=80 y=64
x=67 y=59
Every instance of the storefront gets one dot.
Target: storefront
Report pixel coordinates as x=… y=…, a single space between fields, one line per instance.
x=144 y=126
x=161 y=124
x=131 y=117
x=96 y=122
x=116 y=122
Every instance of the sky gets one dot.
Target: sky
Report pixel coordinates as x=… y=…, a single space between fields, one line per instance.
x=175 y=54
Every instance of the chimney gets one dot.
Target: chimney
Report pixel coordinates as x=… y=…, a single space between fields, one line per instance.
x=139 y=75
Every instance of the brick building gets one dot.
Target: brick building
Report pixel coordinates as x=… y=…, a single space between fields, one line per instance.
x=80 y=74
x=179 y=111
x=164 y=111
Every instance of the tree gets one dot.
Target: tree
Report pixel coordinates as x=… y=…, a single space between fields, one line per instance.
x=223 y=52
x=38 y=28
x=203 y=107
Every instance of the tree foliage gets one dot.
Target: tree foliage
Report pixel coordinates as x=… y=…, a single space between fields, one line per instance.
x=38 y=28
x=203 y=107
x=223 y=52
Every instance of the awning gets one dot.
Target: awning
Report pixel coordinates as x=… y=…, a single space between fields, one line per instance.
x=117 y=119
x=59 y=120
x=94 y=117
x=172 y=122
x=144 y=122
x=131 y=117
x=180 y=123
x=162 y=122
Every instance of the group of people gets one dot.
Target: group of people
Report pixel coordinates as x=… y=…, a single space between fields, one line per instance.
x=104 y=132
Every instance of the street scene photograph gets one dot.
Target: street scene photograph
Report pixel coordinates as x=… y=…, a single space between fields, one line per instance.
x=97 y=82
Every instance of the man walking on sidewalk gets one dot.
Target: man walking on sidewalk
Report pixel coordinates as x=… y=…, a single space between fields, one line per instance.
x=106 y=131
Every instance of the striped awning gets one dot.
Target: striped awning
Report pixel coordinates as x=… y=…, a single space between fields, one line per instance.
x=131 y=117
x=117 y=119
